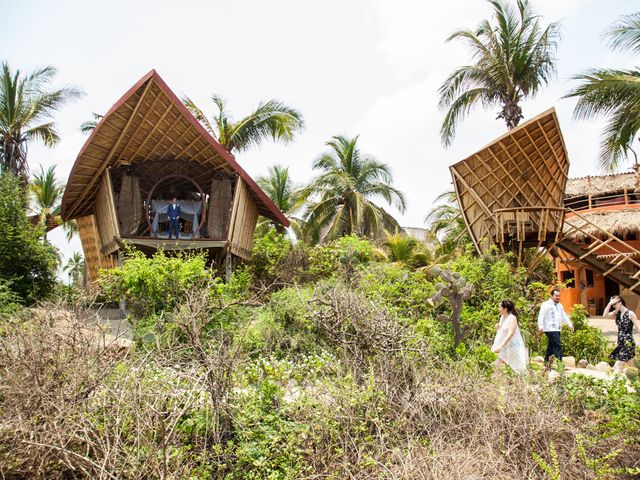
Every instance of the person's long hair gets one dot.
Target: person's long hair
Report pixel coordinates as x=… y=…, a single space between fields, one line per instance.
x=510 y=306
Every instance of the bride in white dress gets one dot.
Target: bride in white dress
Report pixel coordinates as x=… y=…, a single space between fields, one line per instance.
x=509 y=345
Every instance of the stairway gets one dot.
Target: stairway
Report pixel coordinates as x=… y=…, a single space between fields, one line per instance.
x=622 y=261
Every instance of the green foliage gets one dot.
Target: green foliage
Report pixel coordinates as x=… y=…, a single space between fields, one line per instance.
x=402 y=291
x=269 y=251
x=343 y=254
x=586 y=342
x=551 y=469
x=10 y=302
x=154 y=285
x=27 y=264
x=282 y=326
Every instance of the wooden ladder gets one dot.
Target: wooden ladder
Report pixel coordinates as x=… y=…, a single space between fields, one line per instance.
x=621 y=253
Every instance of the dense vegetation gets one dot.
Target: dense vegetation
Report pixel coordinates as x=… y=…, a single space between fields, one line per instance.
x=312 y=362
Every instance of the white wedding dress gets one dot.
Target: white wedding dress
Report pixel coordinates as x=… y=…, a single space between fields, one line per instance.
x=514 y=353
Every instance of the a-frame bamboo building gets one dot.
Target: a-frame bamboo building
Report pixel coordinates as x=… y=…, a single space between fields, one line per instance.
x=147 y=149
x=512 y=194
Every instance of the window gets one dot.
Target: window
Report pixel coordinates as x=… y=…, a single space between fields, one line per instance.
x=589 y=274
x=568 y=278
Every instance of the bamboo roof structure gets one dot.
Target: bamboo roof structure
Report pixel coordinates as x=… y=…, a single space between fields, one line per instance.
x=513 y=188
x=150 y=130
x=602 y=185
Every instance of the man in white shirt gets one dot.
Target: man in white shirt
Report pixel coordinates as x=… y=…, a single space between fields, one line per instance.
x=550 y=321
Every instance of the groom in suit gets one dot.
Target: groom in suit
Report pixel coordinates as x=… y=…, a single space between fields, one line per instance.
x=174 y=217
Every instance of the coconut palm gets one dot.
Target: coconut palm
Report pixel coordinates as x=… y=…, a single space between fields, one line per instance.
x=446 y=225
x=514 y=58
x=46 y=193
x=280 y=188
x=343 y=191
x=614 y=94
x=75 y=267
x=272 y=119
x=26 y=106
x=90 y=125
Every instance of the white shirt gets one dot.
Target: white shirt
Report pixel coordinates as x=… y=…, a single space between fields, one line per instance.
x=551 y=317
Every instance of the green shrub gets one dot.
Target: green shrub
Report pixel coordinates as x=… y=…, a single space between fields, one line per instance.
x=268 y=253
x=402 y=291
x=154 y=285
x=585 y=342
x=27 y=264
x=342 y=255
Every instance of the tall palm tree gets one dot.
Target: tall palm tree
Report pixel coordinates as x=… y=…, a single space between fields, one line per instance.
x=514 y=58
x=46 y=193
x=446 y=225
x=272 y=119
x=614 y=94
x=344 y=189
x=75 y=267
x=280 y=188
x=26 y=106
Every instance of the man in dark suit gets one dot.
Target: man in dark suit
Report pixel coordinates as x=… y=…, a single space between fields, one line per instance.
x=174 y=217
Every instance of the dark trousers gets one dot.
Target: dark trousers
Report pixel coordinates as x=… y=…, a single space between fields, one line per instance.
x=174 y=225
x=553 y=346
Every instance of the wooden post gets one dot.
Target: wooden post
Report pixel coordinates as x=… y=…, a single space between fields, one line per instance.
x=626 y=196
x=590 y=202
x=123 y=302
x=228 y=266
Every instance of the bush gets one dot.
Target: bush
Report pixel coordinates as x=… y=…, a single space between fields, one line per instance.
x=269 y=251
x=27 y=264
x=586 y=342
x=342 y=255
x=154 y=285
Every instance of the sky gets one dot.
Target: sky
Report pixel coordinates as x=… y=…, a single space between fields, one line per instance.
x=352 y=67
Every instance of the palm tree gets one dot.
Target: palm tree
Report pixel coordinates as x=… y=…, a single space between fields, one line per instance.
x=90 y=125
x=446 y=225
x=26 y=106
x=271 y=119
x=614 y=94
x=406 y=251
x=514 y=57
x=75 y=267
x=46 y=193
x=280 y=188
x=344 y=191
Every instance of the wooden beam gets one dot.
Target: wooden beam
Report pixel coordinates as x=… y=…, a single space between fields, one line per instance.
x=106 y=161
x=144 y=142
x=142 y=122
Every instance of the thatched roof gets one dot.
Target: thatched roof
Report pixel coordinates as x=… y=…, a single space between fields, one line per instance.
x=150 y=127
x=525 y=167
x=618 y=222
x=602 y=185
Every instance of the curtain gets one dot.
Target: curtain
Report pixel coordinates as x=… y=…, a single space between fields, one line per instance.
x=189 y=210
x=129 y=204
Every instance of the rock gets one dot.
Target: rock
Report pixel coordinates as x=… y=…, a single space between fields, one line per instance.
x=603 y=367
x=583 y=363
x=569 y=362
x=553 y=375
x=590 y=367
x=538 y=359
x=631 y=373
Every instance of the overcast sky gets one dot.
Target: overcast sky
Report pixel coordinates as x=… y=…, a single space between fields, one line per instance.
x=367 y=67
